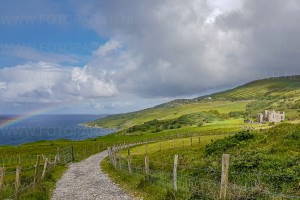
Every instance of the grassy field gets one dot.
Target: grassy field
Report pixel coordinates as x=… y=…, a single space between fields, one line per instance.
x=263 y=165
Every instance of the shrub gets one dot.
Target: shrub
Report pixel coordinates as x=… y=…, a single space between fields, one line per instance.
x=220 y=146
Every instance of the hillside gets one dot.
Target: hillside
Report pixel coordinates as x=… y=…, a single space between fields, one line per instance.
x=282 y=93
x=281 y=87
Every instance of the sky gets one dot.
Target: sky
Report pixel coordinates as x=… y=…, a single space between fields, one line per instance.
x=104 y=57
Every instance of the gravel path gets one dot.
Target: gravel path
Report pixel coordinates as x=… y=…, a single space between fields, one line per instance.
x=86 y=181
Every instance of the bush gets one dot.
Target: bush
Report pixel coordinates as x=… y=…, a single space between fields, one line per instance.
x=220 y=146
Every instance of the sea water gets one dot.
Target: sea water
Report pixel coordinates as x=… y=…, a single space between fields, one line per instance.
x=50 y=127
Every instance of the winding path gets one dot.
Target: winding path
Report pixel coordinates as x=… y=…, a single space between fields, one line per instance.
x=86 y=181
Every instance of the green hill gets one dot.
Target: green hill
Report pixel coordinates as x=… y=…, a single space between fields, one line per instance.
x=280 y=87
x=281 y=93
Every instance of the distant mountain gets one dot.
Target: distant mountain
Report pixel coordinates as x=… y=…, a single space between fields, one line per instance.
x=278 y=93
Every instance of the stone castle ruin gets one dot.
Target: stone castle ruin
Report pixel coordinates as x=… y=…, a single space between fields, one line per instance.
x=271 y=116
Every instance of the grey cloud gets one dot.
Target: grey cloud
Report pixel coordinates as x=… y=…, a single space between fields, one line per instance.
x=171 y=39
x=174 y=52
x=270 y=32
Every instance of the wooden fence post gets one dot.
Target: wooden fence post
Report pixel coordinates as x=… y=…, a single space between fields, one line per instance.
x=18 y=181
x=45 y=168
x=199 y=141
x=72 y=154
x=224 y=177
x=2 y=176
x=183 y=144
x=114 y=158
x=191 y=142
x=109 y=154
x=129 y=161
x=175 y=172
x=36 y=170
x=147 y=167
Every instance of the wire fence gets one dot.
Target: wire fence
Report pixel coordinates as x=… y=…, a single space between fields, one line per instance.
x=15 y=181
x=182 y=181
x=21 y=173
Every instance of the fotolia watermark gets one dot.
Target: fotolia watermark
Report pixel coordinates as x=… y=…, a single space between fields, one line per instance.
x=65 y=19
x=50 y=47
x=48 y=132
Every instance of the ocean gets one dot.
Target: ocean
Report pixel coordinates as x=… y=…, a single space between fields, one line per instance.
x=50 y=127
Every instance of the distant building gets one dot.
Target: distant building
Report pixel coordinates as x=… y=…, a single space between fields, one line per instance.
x=271 y=116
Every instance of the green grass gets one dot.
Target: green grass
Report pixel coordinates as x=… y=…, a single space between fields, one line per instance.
x=266 y=159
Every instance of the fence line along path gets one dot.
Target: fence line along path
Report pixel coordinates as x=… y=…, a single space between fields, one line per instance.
x=86 y=180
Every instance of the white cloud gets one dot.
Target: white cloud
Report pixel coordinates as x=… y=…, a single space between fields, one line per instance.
x=108 y=47
x=46 y=82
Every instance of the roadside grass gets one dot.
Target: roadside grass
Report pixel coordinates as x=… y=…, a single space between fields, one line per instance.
x=43 y=190
x=136 y=185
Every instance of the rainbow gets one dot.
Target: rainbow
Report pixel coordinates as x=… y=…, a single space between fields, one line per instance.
x=16 y=119
x=31 y=114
